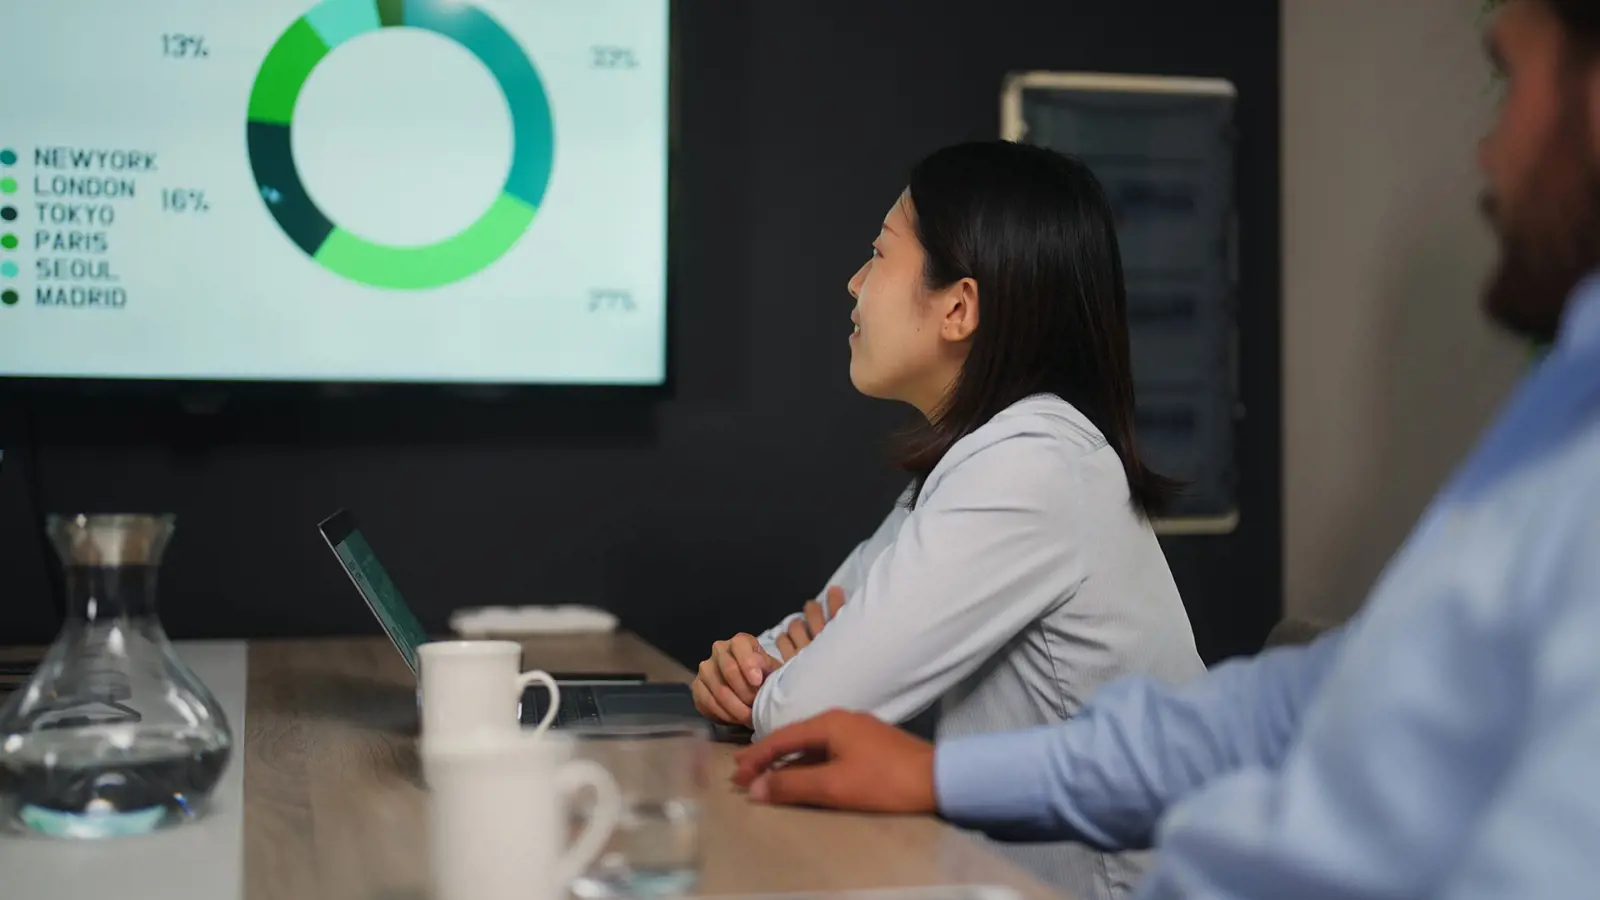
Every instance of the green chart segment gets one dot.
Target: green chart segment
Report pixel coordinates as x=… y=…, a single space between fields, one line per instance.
x=283 y=74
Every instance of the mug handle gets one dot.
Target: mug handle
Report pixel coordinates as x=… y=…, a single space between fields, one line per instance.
x=531 y=676
x=572 y=777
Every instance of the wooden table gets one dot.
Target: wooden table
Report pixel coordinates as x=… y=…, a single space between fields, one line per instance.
x=334 y=807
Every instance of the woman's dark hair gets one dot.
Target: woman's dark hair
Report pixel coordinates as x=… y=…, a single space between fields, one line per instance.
x=1033 y=228
x=1581 y=17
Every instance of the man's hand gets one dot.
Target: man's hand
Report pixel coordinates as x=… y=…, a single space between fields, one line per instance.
x=804 y=630
x=843 y=761
x=725 y=687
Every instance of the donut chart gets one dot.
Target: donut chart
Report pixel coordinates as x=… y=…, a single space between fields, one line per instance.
x=278 y=83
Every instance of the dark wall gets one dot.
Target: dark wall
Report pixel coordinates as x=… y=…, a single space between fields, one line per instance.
x=718 y=508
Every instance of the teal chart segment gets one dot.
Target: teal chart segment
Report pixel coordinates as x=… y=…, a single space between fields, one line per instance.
x=297 y=53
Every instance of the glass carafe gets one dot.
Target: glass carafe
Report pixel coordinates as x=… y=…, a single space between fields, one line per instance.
x=113 y=734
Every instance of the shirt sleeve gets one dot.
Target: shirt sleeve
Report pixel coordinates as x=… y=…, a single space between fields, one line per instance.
x=1537 y=837
x=850 y=573
x=1137 y=747
x=985 y=554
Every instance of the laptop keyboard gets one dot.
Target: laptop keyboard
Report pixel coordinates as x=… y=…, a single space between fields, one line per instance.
x=578 y=707
x=580 y=704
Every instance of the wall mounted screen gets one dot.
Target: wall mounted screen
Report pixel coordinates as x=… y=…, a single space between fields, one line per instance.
x=351 y=190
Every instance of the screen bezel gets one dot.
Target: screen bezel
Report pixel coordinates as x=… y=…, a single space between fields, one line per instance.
x=337 y=528
x=205 y=393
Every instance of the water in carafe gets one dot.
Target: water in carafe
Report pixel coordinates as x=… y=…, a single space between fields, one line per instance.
x=113 y=734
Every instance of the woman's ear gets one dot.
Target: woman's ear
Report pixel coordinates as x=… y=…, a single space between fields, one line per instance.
x=961 y=311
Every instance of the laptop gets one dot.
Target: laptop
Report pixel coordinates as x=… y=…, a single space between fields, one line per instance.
x=585 y=699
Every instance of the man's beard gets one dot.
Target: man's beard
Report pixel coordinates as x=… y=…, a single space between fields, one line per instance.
x=1551 y=242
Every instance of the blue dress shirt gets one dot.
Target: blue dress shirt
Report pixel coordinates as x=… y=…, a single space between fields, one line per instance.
x=1445 y=743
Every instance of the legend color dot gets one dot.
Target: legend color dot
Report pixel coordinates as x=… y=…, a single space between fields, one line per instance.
x=9 y=213
x=8 y=185
x=8 y=157
x=9 y=298
x=8 y=241
x=8 y=269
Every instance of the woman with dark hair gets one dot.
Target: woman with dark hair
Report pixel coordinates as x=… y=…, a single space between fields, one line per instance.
x=1021 y=571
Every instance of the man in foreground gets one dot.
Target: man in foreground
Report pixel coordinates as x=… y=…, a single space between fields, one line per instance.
x=1446 y=742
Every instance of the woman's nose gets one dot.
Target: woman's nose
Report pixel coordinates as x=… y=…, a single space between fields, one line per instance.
x=854 y=287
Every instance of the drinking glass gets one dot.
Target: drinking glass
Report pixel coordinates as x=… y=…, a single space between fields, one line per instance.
x=659 y=765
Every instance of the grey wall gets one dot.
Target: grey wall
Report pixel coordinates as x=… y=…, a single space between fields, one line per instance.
x=1389 y=368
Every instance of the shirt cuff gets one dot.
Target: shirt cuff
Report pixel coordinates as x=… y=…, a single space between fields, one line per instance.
x=992 y=778
x=771 y=646
x=769 y=639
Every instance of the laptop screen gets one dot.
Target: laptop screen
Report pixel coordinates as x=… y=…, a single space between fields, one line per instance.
x=372 y=580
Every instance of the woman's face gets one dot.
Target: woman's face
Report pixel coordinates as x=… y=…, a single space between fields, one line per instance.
x=909 y=342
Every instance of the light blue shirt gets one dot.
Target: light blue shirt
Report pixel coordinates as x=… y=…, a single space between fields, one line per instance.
x=1445 y=743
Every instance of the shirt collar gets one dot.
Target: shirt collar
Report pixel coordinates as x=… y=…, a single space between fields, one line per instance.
x=1580 y=323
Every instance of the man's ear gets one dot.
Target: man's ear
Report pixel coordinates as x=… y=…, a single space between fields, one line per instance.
x=961 y=311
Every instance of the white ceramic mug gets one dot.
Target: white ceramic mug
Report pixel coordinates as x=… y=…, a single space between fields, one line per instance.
x=499 y=811
x=472 y=688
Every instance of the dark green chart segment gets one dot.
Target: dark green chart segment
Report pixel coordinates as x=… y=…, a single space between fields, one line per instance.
x=283 y=74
